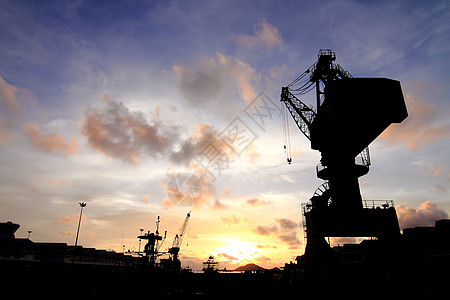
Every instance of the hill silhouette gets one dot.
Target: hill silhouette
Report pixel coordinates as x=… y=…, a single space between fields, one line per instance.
x=250 y=267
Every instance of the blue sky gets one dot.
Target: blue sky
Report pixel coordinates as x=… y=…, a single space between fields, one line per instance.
x=103 y=102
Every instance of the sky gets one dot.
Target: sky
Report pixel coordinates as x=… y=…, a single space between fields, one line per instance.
x=117 y=104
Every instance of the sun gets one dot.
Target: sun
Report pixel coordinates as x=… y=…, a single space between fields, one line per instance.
x=235 y=250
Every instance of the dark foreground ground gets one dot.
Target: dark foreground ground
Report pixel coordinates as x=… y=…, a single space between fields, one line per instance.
x=428 y=280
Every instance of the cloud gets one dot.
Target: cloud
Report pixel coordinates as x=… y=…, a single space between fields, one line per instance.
x=439 y=188
x=255 y=202
x=264 y=259
x=265 y=230
x=265 y=246
x=50 y=142
x=437 y=170
x=216 y=76
x=287 y=232
x=217 y=205
x=424 y=215
x=287 y=224
x=6 y=131
x=265 y=35
x=190 y=189
x=167 y=203
x=118 y=132
x=70 y=219
x=146 y=199
x=121 y=133
x=13 y=101
x=226 y=256
x=61 y=182
x=9 y=100
x=290 y=239
x=200 y=85
x=195 y=144
x=252 y=153
x=227 y=191
x=66 y=233
x=422 y=127
x=231 y=220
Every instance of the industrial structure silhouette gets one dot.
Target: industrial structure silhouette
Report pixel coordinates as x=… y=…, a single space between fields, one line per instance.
x=350 y=114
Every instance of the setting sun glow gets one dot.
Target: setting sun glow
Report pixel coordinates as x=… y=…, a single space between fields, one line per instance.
x=235 y=251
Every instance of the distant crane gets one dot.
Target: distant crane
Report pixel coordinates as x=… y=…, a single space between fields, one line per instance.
x=177 y=241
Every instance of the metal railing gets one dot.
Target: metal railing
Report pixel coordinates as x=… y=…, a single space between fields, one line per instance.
x=378 y=204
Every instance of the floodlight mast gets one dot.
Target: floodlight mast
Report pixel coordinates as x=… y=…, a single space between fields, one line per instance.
x=82 y=205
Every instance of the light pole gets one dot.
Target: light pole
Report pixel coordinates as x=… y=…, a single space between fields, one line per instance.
x=82 y=205
x=140 y=239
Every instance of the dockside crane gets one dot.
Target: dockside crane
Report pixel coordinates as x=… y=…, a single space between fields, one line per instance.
x=178 y=240
x=350 y=113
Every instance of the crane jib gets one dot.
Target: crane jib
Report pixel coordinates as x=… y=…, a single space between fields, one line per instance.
x=300 y=112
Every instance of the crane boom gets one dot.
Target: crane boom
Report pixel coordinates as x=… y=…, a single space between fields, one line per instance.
x=179 y=237
x=302 y=114
x=175 y=249
x=322 y=72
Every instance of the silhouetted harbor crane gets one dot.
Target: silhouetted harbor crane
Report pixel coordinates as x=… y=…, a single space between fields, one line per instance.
x=350 y=113
x=173 y=263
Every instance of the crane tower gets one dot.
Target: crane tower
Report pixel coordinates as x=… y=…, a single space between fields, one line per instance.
x=176 y=245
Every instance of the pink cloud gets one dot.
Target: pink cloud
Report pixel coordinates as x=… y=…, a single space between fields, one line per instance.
x=255 y=202
x=265 y=230
x=424 y=215
x=66 y=233
x=287 y=224
x=50 y=142
x=167 y=203
x=231 y=220
x=291 y=239
x=70 y=219
x=252 y=153
x=227 y=256
x=11 y=109
x=438 y=170
x=146 y=199
x=8 y=97
x=265 y=35
x=6 y=131
x=287 y=232
x=421 y=128
x=227 y=191
x=214 y=76
x=119 y=132
x=61 y=182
